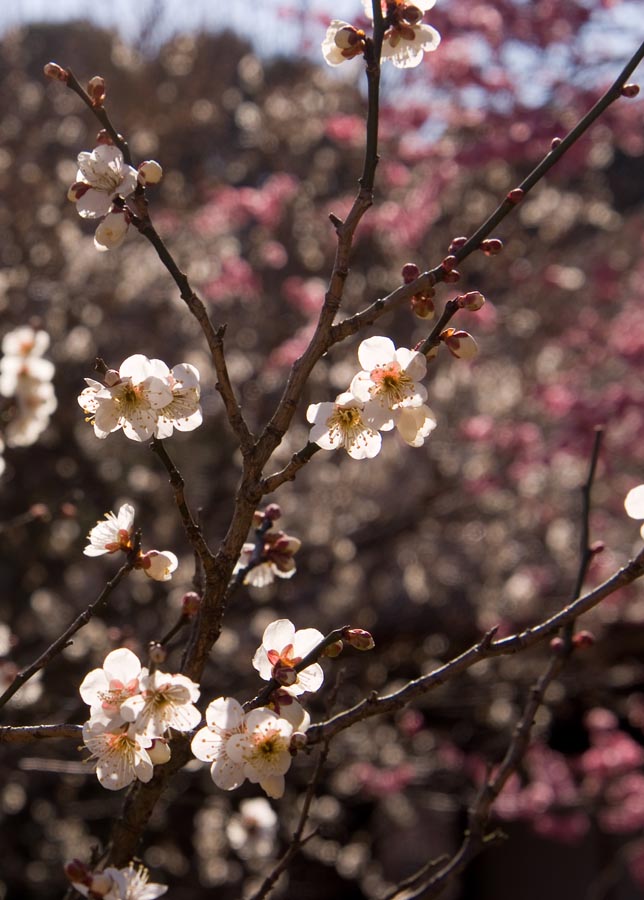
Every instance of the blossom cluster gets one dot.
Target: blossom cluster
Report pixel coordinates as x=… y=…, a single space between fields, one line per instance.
x=130 y=883
x=271 y=555
x=131 y=711
x=383 y=396
x=145 y=398
x=26 y=378
x=405 y=40
x=103 y=183
x=116 y=532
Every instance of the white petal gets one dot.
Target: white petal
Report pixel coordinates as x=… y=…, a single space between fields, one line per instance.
x=376 y=351
x=634 y=502
x=224 y=713
x=278 y=634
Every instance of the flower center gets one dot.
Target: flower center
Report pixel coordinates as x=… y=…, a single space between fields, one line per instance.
x=390 y=384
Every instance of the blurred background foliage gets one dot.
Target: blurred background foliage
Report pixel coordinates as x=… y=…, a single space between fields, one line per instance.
x=426 y=548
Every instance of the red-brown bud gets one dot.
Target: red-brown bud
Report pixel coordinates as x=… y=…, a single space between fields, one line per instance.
x=190 y=603
x=449 y=263
x=630 y=91
x=472 y=301
x=78 y=872
x=457 y=243
x=583 y=639
x=597 y=547
x=298 y=742
x=557 y=645
x=57 y=73
x=516 y=195
x=422 y=305
x=492 y=246
x=157 y=653
x=410 y=272
x=358 y=638
x=103 y=137
x=273 y=512
x=452 y=277
x=96 y=90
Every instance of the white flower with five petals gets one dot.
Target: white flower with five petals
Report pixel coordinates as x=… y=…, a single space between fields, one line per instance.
x=281 y=650
x=263 y=750
x=224 y=721
x=105 y=690
x=346 y=423
x=120 y=753
x=164 y=701
x=406 y=38
x=102 y=176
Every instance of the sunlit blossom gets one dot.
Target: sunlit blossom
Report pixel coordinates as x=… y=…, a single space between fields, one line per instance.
x=347 y=424
x=120 y=754
x=282 y=648
x=158 y=565
x=634 y=504
x=253 y=830
x=276 y=555
x=263 y=750
x=342 y=42
x=406 y=38
x=224 y=720
x=164 y=701
x=130 y=883
x=105 y=690
x=111 y=231
x=389 y=377
x=112 y=533
x=102 y=176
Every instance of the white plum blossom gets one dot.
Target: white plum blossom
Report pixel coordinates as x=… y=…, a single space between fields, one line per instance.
x=634 y=504
x=158 y=565
x=144 y=398
x=111 y=231
x=27 y=378
x=224 y=721
x=406 y=38
x=414 y=424
x=263 y=750
x=389 y=377
x=102 y=176
x=25 y=342
x=252 y=831
x=105 y=690
x=281 y=649
x=164 y=701
x=131 y=883
x=460 y=343
x=120 y=753
x=342 y=42
x=346 y=424
x=112 y=533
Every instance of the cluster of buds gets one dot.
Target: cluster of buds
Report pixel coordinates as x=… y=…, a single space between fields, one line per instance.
x=272 y=553
x=422 y=303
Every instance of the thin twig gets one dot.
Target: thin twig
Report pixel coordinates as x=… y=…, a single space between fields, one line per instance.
x=28 y=734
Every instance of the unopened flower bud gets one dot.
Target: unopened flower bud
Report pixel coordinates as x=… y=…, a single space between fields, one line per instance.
x=557 y=645
x=456 y=244
x=630 y=91
x=409 y=272
x=150 y=172
x=516 y=195
x=111 y=231
x=298 y=742
x=40 y=511
x=472 y=301
x=111 y=377
x=492 y=246
x=422 y=305
x=273 y=512
x=358 y=638
x=159 y=752
x=334 y=649
x=156 y=653
x=449 y=263
x=554 y=143
x=452 y=277
x=412 y=14
x=96 y=90
x=190 y=603
x=583 y=639
x=54 y=71
x=460 y=344
x=284 y=675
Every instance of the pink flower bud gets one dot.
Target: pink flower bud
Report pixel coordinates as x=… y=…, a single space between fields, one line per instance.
x=334 y=649
x=583 y=639
x=57 y=73
x=190 y=603
x=516 y=195
x=150 y=172
x=96 y=90
x=111 y=377
x=472 y=301
x=630 y=91
x=273 y=512
x=457 y=243
x=410 y=272
x=492 y=246
x=557 y=645
x=461 y=344
x=358 y=638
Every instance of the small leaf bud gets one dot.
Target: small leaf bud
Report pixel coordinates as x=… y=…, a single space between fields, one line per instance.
x=96 y=90
x=516 y=195
x=156 y=653
x=334 y=649
x=472 y=301
x=492 y=246
x=583 y=640
x=55 y=72
x=190 y=603
x=630 y=91
x=452 y=277
x=358 y=638
x=554 y=143
x=410 y=272
x=150 y=172
x=457 y=243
